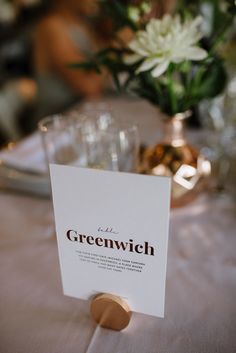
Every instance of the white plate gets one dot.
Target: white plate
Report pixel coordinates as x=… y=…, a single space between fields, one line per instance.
x=13 y=179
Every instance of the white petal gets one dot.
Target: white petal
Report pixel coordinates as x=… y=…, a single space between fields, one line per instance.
x=195 y=53
x=138 y=48
x=166 y=40
x=131 y=59
x=197 y=21
x=167 y=19
x=148 y=64
x=160 y=69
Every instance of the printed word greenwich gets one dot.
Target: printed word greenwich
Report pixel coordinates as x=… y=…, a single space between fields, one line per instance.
x=144 y=248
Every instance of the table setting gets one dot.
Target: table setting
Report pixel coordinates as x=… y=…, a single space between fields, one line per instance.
x=125 y=201
x=200 y=270
x=91 y=139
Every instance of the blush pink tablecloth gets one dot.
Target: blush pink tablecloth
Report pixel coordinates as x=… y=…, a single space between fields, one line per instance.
x=200 y=315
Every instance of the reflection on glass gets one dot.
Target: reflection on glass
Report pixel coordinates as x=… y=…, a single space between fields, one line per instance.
x=90 y=139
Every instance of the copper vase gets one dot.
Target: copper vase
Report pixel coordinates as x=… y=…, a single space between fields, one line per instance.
x=173 y=156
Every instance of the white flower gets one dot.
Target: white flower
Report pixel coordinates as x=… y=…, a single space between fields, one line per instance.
x=165 y=41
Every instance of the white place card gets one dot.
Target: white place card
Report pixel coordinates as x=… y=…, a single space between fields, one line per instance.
x=112 y=232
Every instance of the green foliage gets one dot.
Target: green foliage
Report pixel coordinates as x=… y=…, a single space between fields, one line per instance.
x=184 y=85
x=212 y=80
x=221 y=13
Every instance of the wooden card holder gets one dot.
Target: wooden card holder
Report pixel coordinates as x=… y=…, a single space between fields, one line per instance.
x=110 y=311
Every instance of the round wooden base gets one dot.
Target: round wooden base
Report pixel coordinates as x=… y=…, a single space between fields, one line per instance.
x=110 y=311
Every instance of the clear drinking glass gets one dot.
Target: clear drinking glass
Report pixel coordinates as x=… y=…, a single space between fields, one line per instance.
x=62 y=140
x=99 y=114
x=218 y=117
x=91 y=139
x=114 y=149
x=92 y=123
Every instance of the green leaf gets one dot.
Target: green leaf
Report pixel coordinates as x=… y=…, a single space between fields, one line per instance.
x=212 y=82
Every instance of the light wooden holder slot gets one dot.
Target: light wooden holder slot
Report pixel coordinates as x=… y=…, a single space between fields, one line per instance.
x=110 y=311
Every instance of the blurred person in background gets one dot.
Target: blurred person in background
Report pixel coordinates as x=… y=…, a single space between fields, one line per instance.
x=62 y=37
x=17 y=87
x=54 y=33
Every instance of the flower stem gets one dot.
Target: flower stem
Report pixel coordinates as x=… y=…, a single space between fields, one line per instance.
x=173 y=101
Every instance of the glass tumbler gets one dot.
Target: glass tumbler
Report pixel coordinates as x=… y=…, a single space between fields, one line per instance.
x=117 y=148
x=62 y=140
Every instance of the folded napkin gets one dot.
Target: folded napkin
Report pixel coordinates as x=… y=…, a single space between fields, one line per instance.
x=27 y=155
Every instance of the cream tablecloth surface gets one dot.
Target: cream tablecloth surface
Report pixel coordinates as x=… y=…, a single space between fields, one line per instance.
x=200 y=315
